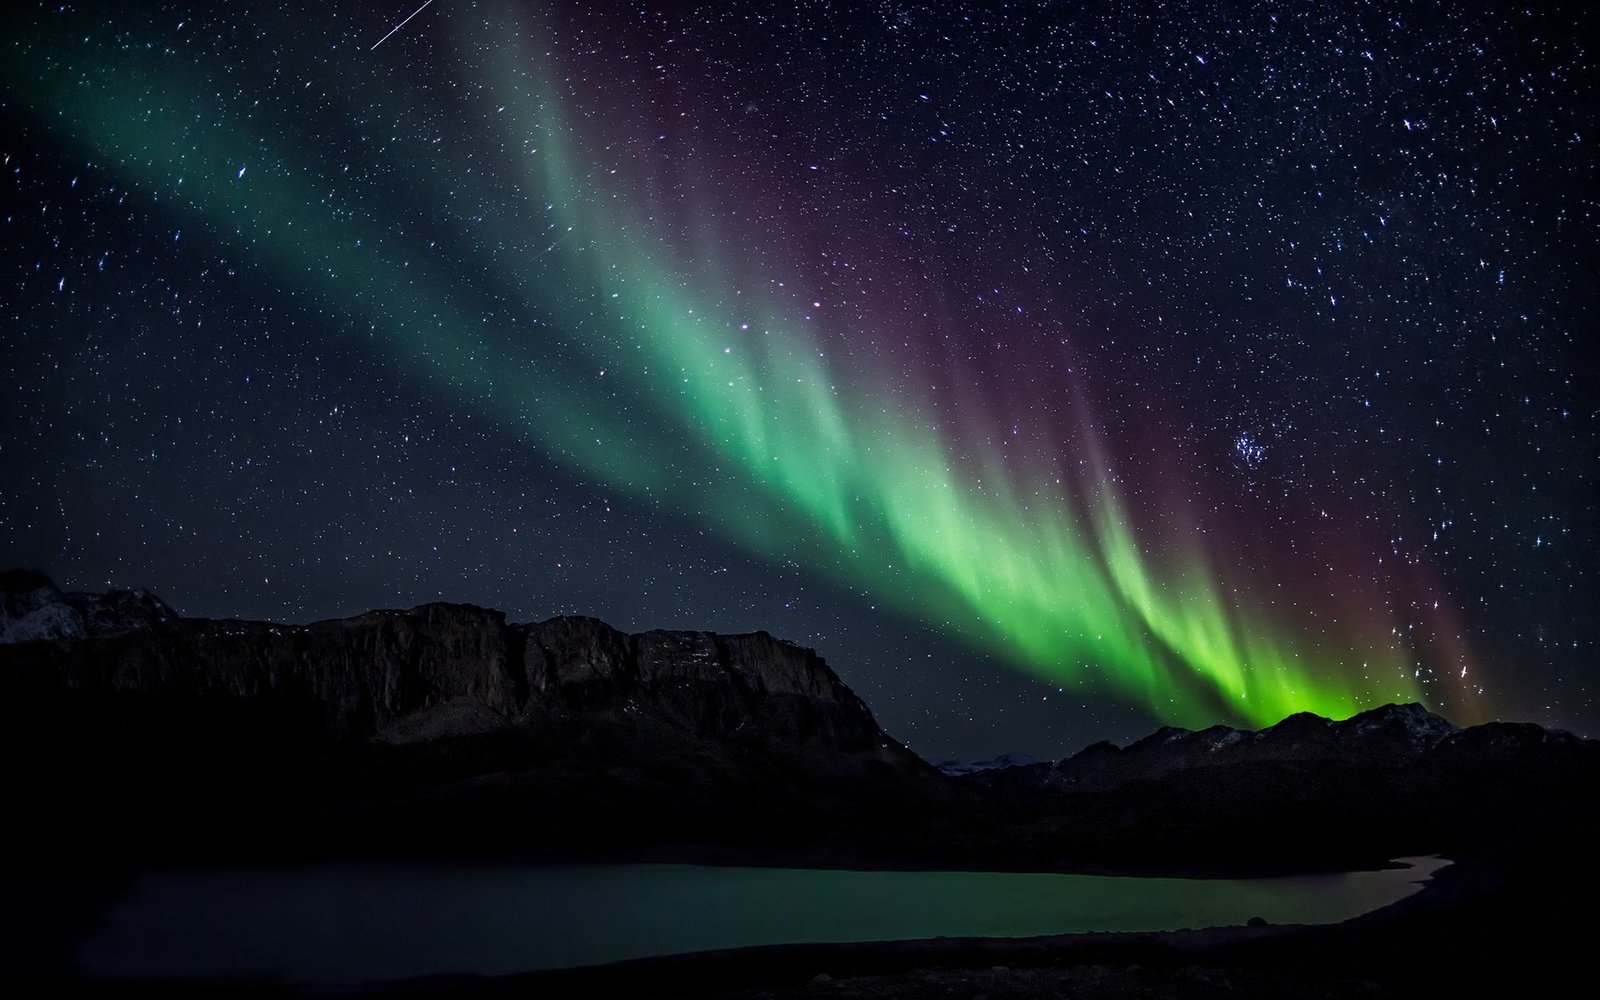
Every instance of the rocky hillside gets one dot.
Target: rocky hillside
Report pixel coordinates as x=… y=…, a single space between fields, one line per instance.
x=444 y=670
x=1391 y=736
x=33 y=608
x=1393 y=780
x=561 y=731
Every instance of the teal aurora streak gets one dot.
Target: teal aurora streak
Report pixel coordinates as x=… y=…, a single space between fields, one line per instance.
x=663 y=369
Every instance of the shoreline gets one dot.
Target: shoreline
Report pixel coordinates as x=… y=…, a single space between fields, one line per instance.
x=866 y=955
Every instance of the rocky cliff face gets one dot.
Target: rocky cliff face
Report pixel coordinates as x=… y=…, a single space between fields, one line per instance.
x=440 y=670
x=738 y=685
x=564 y=730
x=359 y=673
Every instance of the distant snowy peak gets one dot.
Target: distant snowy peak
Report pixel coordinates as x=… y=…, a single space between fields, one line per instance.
x=1387 y=737
x=39 y=615
x=34 y=609
x=1416 y=724
x=956 y=768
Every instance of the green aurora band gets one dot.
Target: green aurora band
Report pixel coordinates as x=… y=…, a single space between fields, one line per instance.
x=756 y=436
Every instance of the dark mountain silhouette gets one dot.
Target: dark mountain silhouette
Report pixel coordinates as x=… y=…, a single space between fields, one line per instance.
x=1394 y=780
x=442 y=727
x=447 y=729
x=32 y=607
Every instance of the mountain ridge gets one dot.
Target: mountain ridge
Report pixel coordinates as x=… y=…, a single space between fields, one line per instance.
x=375 y=668
x=1389 y=733
x=33 y=608
x=446 y=728
x=566 y=733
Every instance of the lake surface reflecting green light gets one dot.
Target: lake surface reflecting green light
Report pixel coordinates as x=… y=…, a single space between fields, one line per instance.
x=341 y=924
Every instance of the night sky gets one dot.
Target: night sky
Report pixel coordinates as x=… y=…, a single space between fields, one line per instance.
x=1054 y=369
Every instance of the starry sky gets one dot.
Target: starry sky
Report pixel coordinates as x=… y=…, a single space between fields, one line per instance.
x=1054 y=369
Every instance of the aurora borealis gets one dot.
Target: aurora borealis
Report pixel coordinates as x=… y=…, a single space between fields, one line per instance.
x=1153 y=363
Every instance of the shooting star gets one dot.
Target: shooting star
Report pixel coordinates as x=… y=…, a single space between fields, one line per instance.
x=552 y=246
x=402 y=24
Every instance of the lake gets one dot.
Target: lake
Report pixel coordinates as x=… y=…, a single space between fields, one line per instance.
x=354 y=923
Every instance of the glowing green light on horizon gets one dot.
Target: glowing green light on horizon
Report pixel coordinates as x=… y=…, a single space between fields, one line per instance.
x=759 y=439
